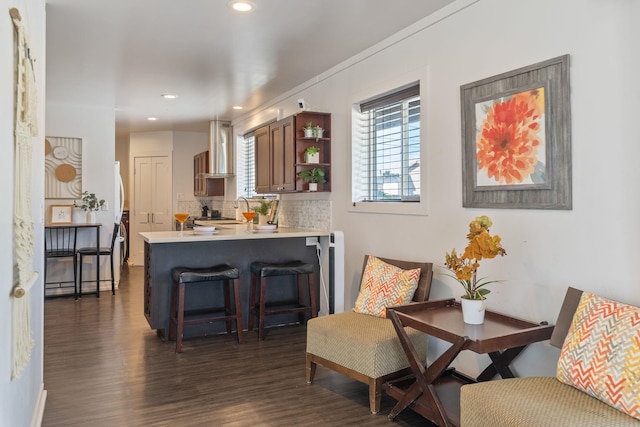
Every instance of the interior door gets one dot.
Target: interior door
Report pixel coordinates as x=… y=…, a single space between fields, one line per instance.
x=151 y=201
x=161 y=217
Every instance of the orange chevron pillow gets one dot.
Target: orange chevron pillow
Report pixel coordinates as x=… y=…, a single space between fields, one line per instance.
x=601 y=354
x=384 y=285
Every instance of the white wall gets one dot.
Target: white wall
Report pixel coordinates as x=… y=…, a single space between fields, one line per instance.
x=591 y=247
x=181 y=146
x=20 y=400
x=95 y=125
x=185 y=146
x=122 y=155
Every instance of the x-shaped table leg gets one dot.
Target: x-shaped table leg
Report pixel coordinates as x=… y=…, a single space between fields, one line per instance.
x=424 y=377
x=500 y=364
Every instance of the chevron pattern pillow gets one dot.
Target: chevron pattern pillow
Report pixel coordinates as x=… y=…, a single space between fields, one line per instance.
x=601 y=354
x=384 y=285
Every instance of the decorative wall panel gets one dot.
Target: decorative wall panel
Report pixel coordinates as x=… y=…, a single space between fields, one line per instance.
x=63 y=168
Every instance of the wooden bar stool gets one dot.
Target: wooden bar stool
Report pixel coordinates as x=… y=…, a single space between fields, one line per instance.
x=219 y=274
x=259 y=273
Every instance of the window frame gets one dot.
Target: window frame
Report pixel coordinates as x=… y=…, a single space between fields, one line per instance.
x=384 y=206
x=243 y=166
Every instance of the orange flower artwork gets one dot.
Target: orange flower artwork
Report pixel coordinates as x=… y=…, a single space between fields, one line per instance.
x=510 y=145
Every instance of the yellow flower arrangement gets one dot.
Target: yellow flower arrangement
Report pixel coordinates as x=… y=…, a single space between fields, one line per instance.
x=481 y=246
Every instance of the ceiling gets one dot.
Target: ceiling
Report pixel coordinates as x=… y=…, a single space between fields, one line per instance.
x=126 y=53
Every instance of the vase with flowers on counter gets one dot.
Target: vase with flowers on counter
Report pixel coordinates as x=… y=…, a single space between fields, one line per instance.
x=465 y=268
x=90 y=204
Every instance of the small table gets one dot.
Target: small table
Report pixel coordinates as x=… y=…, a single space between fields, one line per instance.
x=75 y=228
x=435 y=391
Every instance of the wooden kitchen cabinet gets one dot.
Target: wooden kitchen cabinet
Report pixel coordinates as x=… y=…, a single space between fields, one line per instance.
x=279 y=151
x=203 y=186
x=275 y=157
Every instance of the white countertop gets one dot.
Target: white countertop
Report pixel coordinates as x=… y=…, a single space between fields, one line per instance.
x=229 y=232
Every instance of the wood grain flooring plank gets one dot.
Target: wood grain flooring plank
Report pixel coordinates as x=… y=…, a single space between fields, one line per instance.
x=104 y=366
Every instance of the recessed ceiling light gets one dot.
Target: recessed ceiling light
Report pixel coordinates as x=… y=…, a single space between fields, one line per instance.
x=241 y=6
x=237 y=107
x=169 y=96
x=152 y=119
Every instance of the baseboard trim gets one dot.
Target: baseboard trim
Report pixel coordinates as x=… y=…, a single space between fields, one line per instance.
x=38 y=413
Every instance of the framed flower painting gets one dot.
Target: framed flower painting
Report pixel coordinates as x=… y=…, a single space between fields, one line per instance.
x=516 y=139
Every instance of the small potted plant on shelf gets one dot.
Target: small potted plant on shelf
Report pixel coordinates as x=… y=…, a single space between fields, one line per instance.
x=312 y=131
x=314 y=177
x=309 y=130
x=312 y=154
x=263 y=210
x=90 y=204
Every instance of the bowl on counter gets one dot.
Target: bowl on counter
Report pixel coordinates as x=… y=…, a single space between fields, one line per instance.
x=201 y=229
x=265 y=227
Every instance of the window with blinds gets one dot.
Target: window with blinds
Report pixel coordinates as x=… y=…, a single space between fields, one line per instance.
x=387 y=148
x=246 y=167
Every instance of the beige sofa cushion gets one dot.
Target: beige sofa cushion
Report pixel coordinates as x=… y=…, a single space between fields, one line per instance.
x=535 y=401
x=379 y=352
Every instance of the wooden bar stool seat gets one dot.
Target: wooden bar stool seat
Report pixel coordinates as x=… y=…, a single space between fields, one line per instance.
x=258 y=306
x=222 y=274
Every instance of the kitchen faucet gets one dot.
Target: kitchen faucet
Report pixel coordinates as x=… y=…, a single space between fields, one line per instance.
x=235 y=205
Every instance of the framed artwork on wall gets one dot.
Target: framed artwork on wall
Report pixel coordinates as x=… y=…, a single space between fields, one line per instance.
x=61 y=214
x=63 y=167
x=516 y=139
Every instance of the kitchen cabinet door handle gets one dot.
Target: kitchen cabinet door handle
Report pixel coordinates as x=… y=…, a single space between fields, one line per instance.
x=148 y=218
x=153 y=220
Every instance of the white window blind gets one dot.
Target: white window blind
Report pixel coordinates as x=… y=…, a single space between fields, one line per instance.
x=246 y=167
x=387 y=153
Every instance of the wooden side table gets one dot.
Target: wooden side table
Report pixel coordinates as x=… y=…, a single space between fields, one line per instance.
x=435 y=391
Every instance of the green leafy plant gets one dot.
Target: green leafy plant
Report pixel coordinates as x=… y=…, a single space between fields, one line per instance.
x=313 y=175
x=309 y=126
x=89 y=202
x=312 y=150
x=482 y=245
x=263 y=208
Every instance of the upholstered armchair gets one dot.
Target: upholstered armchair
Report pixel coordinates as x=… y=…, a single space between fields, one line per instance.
x=366 y=347
x=596 y=382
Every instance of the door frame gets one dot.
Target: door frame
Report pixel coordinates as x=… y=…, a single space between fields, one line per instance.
x=133 y=258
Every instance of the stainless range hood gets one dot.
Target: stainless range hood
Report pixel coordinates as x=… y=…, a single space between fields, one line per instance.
x=220 y=149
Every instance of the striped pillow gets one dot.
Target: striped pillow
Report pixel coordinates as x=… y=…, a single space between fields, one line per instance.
x=384 y=285
x=601 y=354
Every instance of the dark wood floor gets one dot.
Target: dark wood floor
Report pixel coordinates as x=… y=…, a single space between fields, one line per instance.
x=103 y=366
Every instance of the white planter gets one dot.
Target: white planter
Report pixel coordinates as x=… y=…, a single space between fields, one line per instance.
x=262 y=219
x=91 y=217
x=313 y=186
x=472 y=311
x=313 y=158
x=309 y=133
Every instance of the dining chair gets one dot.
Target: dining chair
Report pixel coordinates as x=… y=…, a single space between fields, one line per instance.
x=60 y=242
x=97 y=251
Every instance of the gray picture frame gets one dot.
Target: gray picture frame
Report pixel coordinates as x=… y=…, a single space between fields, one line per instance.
x=553 y=191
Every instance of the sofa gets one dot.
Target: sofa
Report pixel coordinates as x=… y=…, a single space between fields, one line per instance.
x=598 y=374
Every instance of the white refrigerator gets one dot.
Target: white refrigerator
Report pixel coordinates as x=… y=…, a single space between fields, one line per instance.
x=118 y=250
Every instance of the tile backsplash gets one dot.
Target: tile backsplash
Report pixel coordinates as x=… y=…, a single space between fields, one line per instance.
x=313 y=214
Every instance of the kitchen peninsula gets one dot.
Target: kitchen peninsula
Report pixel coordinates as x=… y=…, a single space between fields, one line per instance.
x=232 y=244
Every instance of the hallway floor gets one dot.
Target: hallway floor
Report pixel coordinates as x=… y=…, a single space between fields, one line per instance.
x=104 y=366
